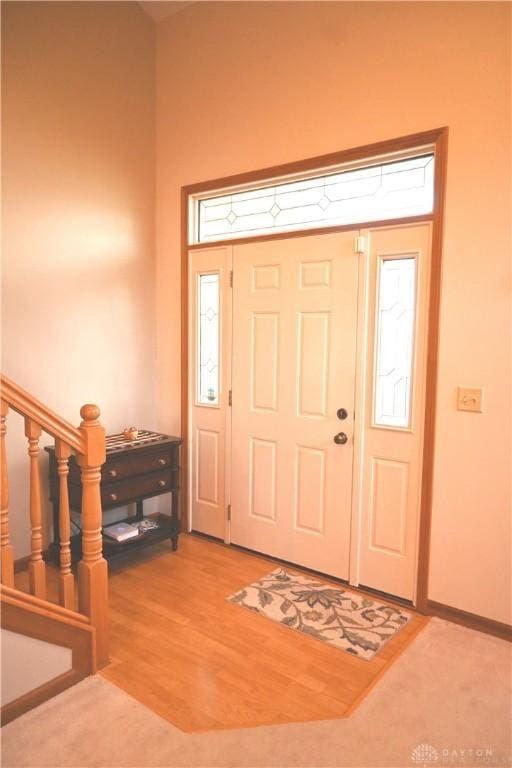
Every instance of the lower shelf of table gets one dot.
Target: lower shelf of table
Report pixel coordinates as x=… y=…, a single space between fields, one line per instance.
x=168 y=528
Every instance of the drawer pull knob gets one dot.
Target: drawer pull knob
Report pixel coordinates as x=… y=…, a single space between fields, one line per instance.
x=112 y=496
x=112 y=472
x=162 y=483
x=162 y=462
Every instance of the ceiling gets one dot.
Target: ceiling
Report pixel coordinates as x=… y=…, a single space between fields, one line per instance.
x=161 y=9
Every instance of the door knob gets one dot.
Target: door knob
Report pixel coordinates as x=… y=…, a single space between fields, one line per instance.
x=340 y=438
x=342 y=413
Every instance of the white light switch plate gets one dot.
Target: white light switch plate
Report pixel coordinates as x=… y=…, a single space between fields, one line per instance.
x=470 y=399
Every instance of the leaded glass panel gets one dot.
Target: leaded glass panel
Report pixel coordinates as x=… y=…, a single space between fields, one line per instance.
x=208 y=346
x=379 y=192
x=395 y=341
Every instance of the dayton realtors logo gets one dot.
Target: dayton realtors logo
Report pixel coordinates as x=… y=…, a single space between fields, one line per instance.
x=424 y=754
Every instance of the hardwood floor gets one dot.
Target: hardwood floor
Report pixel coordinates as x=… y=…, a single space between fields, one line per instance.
x=178 y=646
x=202 y=663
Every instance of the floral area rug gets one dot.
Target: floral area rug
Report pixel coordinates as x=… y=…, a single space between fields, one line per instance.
x=343 y=618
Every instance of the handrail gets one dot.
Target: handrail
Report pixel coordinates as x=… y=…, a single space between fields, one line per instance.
x=26 y=405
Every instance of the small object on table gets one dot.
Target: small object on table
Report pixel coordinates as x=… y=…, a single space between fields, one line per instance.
x=121 y=531
x=131 y=433
x=147 y=525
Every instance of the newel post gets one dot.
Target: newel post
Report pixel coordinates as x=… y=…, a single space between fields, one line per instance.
x=92 y=569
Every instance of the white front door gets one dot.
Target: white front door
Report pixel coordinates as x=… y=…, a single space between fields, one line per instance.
x=294 y=361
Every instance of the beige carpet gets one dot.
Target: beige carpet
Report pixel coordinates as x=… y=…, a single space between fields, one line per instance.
x=449 y=695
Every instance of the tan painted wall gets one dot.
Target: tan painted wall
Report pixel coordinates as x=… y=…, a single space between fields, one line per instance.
x=241 y=86
x=78 y=215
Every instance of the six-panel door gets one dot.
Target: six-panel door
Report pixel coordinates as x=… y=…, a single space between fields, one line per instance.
x=294 y=347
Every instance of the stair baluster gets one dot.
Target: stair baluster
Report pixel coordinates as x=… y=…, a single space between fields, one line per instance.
x=36 y=566
x=66 y=578
x=7 y=556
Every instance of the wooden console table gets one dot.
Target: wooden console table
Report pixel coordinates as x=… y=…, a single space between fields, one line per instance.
x=133 y=471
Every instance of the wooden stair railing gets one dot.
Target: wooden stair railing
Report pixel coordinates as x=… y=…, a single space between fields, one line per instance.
x=88 y=443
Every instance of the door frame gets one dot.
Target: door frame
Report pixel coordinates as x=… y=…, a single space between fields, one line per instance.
x=438 y=138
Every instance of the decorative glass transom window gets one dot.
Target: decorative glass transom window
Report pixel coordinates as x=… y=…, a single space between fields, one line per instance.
x=389 y=190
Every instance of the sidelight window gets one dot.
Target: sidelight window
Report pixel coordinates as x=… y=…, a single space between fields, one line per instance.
x=208 y=294
x=394 y=341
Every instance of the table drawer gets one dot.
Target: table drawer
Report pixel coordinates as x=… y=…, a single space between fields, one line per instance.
x=128 y=466
x=116 y=493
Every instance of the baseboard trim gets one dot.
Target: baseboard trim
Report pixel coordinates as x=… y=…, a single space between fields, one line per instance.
x=34 y=698
x=21 y=564
x=471 y=620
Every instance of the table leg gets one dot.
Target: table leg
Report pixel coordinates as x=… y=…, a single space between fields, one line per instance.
x=174 y=521
x=139 y=514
